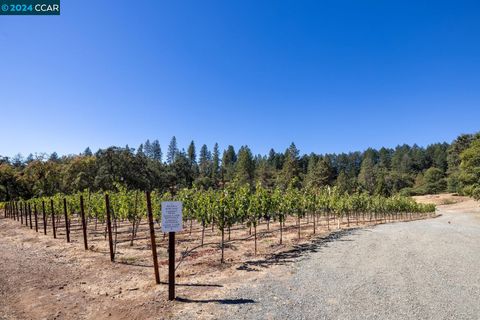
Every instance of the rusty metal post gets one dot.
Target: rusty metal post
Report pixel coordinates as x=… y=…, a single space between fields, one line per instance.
x=152 y=238
x=109 y=228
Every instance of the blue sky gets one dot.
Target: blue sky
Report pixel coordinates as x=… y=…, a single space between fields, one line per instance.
x=331 y=76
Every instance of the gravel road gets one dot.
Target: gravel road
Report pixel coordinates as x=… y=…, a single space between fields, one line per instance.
x=427 y=269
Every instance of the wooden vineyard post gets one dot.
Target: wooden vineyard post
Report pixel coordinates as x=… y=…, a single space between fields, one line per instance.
x=152 y=238
x=299 y=222
x=25 y=213
x=30 y=215
x=109 y=228
x=53 y=219
x=44 y=218
x=84 y=225
x=16 y=211
x=67 y=228
x=35 y=212
x=21 y=213
x=314 y=212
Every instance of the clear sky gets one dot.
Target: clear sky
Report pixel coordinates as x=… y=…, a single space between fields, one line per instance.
x=331 y=76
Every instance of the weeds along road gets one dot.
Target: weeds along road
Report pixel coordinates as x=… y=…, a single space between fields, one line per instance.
x=427 y=269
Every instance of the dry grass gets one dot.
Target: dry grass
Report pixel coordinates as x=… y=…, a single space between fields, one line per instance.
x=441 y=199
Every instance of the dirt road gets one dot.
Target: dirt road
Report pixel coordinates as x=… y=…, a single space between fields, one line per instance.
x=425 y=269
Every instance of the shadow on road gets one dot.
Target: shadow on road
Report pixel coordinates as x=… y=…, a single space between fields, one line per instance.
x=298 y=251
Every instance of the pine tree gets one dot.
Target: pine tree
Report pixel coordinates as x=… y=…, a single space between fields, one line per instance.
x=229 y=159
x=140 y=150
x=53 y=157
x=147 y=149
x=244 y=168
x=453 y=160
x=172 y=150
x=191 y=153
x=216 y=163
x=156 y=151
x=343 y=183
x=470 y=169
x=290 y=169
x=87 y=152
x=205 y=162
x=366 y=177
x=320 y=173
x=264 y=172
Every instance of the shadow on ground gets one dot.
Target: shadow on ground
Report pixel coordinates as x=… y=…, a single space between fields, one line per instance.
x=218 y=301
x=194 y=284
x=298 y=251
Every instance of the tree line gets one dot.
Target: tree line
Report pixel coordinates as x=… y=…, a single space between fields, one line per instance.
x=406 y=170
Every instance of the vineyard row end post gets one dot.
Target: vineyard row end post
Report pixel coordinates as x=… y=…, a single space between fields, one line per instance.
x=53 y=219
x=84 y=225
x=67 y=228
x=30 y=214
x=44 y=218
x=109 y=228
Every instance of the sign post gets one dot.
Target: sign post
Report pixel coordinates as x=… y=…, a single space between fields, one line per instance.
x=171 y=223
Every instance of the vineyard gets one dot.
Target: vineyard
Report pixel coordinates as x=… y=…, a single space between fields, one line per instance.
x=213 y=219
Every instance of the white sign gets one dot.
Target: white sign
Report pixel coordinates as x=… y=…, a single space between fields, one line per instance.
x=172 y=216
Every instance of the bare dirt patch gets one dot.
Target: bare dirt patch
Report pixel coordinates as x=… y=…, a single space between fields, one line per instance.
x=441 y=199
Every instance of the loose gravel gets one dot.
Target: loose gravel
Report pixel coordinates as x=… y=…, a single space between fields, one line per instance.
x=427 y=269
